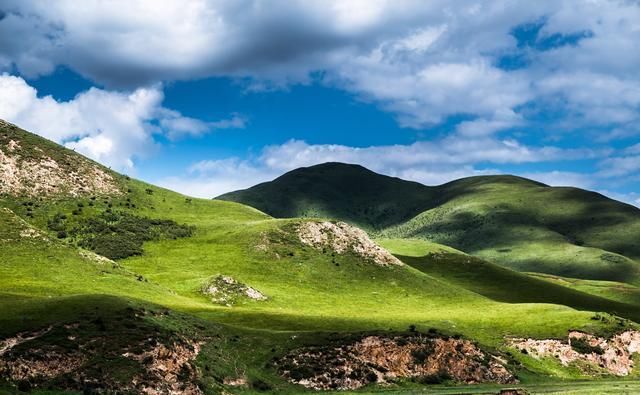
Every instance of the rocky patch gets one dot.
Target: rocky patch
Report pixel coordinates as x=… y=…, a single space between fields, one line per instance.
x=228 y=291
x=377 y=359
x=29 y=171
x=343 y=238
x=95 y=357
x=611 y=356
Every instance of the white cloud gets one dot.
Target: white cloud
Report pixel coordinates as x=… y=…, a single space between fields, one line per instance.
x=631 y=198
x=426 y=162
x=424 y=61
x=562 y=178
x=111 y=127
x=620 y=166
x=179 y=126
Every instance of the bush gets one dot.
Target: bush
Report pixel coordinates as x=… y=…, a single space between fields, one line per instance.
x=260 y=385
x=120 y=235
x=420 y=355
x=56 y=223
x=583 y=347
x=437 y=378
x=62 y=234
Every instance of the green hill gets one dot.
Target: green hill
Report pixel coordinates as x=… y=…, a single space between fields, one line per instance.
x=204 y=296
x=337 y=190
x=512 y=221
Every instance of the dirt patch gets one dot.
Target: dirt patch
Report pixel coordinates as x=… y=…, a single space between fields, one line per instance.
x=377 y=359
x=612 y=356
x=228 y=291
x=342 y=238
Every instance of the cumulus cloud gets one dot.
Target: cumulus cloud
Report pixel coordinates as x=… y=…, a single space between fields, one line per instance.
x=426 y=162
x=111 y=127
x=423 y=61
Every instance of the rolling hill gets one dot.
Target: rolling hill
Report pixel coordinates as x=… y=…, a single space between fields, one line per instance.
x=512 y=221
x=109 y=284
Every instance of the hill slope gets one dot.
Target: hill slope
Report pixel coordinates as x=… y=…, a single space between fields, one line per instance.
x=518 y=223
x=224 y=297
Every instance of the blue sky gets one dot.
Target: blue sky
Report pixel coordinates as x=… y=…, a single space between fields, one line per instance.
x=205 y=97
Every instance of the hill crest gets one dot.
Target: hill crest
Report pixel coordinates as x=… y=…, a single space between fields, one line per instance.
x=35 y=167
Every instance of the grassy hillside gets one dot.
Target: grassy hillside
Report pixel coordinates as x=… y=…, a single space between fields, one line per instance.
x=512 y=221
x=83 y=319
x=502 y=284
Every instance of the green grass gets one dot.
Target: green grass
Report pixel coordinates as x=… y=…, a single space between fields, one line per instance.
x=311 y=293
x=496 y=282
x=512 y=221
x=620 y=292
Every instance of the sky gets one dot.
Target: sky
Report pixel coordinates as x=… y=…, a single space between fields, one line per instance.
x=209 y=96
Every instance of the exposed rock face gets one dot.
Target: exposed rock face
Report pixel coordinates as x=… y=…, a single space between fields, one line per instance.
x=375 y=359
x=613 y=356
x=164 y=364
x=159 y=365
x=27 y=170
x=227 y=291
x=343 y=238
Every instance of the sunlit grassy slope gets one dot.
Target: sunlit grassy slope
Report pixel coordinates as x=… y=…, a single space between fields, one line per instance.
x=311 y=294
x=502 y=284
x=512 y=221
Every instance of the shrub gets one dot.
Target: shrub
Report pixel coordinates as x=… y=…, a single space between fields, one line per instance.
x=583 y=347
x=62 y=234
x=149 y=191
x=437 y=378
x=260 y=385
x=120 y=235
x=420 y=355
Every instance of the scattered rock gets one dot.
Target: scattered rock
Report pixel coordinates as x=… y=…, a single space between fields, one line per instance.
x=376 y=359
x=342 y=238
x=228 y=291
x=92 y=256
x=235 y=381
x=613 y=356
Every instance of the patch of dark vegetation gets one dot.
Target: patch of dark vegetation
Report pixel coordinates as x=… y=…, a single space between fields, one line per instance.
x=582 y=346
x=120 y=235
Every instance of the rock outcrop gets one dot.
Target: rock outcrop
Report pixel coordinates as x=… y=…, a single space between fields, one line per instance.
x=227 y=291
x=26 y=169
x=377 y=359
x=612 y=356
x=343 y=238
